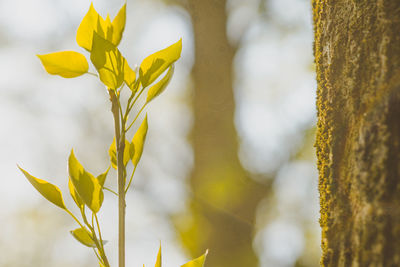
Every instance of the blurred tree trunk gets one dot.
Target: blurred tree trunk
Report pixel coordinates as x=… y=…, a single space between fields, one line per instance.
x=357 y=52
x=224 y=198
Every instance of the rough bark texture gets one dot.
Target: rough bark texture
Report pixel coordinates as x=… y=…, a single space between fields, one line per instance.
x=224 y=197
x=357 y=53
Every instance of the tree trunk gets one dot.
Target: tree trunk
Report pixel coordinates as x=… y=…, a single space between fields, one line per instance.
x=357 y=53
x=224 y=198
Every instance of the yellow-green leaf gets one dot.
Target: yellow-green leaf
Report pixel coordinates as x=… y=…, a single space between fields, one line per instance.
x=158 y=261
x=129 y=77
x=51 y=192
x=77 y=199
x=155 y=64
x=128 y=152
x=108 y=61
x=92 y=22
x=113 y=153
x=131 y=150
x=67 y=64
x=118 y=25
x=86 y=185
x=138 y=141
x=198 y=262
x=84 y=236
x=160 y=86
x=102 y=177
x=108 y=29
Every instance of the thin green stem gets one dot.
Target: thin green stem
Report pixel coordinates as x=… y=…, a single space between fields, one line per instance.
x=103 y=256
x=85 y=219
x=140 y=111
x=97 y=255
x=99 y=244
x=110 y=190
x=127 y=110
x=137 y=97
x=130 y=180
x=120 y=111
x=93 y=74
x=98 y=229
x=93 y=220
x=76 y=219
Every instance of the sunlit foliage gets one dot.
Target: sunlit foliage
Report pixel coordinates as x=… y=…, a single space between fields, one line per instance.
x=100 y=38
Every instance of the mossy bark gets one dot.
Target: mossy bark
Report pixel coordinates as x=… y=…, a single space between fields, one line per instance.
x=357 y=54
x=224 y=198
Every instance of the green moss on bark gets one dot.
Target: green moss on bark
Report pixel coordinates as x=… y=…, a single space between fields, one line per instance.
x=357 y=53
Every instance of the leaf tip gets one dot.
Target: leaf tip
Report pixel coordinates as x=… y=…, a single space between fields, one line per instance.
x=19 y=167
x=180 y=43
x=40 y=58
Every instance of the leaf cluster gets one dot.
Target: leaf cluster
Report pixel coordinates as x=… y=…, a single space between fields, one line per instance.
x=100 y=38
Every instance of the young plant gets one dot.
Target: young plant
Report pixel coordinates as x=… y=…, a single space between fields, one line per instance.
x=100 y=38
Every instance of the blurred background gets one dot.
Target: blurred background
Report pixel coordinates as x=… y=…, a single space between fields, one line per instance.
x=229 y=161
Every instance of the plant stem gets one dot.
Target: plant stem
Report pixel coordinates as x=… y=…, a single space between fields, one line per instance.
x=99 y=244
x=110 y=190
x=97 y=255
x=76 y=219
x=130 y=180
x=140 y=111
x=120 y=144
x=100 y=248
x=98 y=229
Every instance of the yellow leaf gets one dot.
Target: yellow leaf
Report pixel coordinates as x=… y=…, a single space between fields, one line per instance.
x=94 y=23
x=131 y=150
x=155 y=64
x=67 y=64
x=77 y=199
x=158 y=262
x=84 y=237
x=138 y=141
x=108 y=29
x=86 y=185
x=108 y=61
x=198 y=262
x=51 y=192
x=118 y=25
x=129 y=77
x=102 y=177
x=112 y=151
x=160 y=86
x=128 y=152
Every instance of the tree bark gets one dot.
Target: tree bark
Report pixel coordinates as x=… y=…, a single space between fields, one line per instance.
x=224 y=198
x=357 y=54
